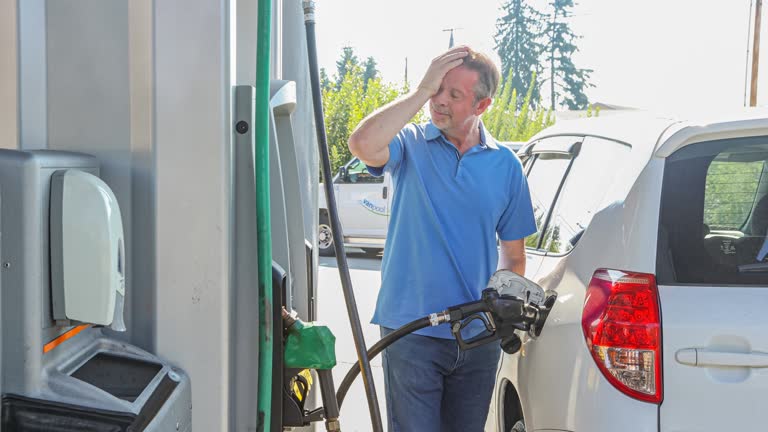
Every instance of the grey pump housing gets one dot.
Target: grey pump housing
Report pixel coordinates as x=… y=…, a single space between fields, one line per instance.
x=61 y=285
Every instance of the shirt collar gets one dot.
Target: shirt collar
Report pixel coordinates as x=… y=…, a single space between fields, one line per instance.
x=486 y=140
x=431 y=132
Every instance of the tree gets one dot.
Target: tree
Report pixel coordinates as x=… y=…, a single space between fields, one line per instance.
x=347 y=61
x=566 y=81
x=325 y=82
x=518 y=34
x=370 y=71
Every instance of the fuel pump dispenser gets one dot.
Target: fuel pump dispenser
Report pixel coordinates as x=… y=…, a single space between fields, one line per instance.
x=62 y=283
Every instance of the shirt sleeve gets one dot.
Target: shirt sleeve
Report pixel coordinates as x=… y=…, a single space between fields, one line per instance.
x=396 y=155
x=517 y=221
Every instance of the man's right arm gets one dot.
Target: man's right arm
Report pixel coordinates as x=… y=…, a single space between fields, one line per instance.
x=370 y=140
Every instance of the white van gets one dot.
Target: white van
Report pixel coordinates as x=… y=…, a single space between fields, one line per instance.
x=363 y=202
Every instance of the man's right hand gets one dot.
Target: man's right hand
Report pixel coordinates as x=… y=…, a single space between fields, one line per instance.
x=440 y=66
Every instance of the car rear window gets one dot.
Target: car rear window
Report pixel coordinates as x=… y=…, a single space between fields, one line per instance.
x=714 y=214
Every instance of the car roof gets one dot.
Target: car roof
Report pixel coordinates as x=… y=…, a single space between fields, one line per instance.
x=513 y=145
x=633 y=128
x=743 y=123
x=663 y=134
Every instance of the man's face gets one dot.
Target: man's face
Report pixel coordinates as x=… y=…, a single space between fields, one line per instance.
x=453 y=107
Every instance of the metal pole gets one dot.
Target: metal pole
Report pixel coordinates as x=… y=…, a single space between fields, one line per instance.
x=746 y=61
x=755 y=55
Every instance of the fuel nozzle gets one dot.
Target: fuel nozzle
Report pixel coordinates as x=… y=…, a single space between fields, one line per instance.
x=509 y=303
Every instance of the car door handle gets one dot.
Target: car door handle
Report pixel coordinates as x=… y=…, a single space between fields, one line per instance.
x=384 y=193
x=705 y=358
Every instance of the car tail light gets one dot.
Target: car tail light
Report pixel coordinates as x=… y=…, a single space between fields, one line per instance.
x=621 y=323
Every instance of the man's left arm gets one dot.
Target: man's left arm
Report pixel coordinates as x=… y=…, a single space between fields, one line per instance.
x=512 y=256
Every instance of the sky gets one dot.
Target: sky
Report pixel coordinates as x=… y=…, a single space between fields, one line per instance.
x=668 y=56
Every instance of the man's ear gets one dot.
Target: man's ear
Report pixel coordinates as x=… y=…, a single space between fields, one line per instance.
x=482 y=105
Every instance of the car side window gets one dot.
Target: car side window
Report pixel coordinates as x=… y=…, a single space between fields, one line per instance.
x=357 y=172
x=544 y=177
x=593 y=171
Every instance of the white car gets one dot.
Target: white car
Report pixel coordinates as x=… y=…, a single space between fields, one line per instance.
x=363 y=202
x=653 y=233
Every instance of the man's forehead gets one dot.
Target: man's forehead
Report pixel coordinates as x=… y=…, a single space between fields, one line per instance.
x=460 y=77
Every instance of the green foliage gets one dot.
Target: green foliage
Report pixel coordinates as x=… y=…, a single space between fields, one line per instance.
x=357 y=93
x=593 y=111
x=508 y=121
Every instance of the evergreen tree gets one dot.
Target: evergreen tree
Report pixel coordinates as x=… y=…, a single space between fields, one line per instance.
x=370 y=71
x=518 y=34
x=347 y=62
x=566 y=82
x=325 y=83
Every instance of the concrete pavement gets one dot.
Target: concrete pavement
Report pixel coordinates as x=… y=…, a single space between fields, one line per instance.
x=365 y=274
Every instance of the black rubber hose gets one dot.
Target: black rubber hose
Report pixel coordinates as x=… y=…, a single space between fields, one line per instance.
x=338 y=238
x=376 y=349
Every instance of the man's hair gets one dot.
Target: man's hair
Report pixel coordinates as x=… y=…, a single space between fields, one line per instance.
x=488 y=74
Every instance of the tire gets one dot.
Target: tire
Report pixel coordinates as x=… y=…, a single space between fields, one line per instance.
x=325 y=237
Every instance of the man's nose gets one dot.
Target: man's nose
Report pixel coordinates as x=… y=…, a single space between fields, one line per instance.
x=439 y=99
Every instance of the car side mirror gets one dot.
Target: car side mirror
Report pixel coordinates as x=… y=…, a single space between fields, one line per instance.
x=343 y=174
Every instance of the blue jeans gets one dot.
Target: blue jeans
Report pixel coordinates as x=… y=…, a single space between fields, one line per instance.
x=433 y=386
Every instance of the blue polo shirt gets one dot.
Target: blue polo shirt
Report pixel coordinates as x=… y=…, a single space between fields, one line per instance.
x=446 y=211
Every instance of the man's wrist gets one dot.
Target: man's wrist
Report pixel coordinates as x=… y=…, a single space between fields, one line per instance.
x=423 y=93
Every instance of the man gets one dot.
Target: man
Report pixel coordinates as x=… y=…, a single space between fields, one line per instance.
x=455 y=189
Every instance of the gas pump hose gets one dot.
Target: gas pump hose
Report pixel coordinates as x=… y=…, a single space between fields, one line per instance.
x=338 y=238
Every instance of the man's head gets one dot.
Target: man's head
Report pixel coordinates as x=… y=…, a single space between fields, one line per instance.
x=465 y=93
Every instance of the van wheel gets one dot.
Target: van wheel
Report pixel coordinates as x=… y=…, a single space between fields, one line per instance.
x=518 y=427
x=325 y=237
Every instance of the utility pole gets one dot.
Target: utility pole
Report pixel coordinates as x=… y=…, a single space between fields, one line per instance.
x=450 y=42
x=755 y=54
x=406 y=71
